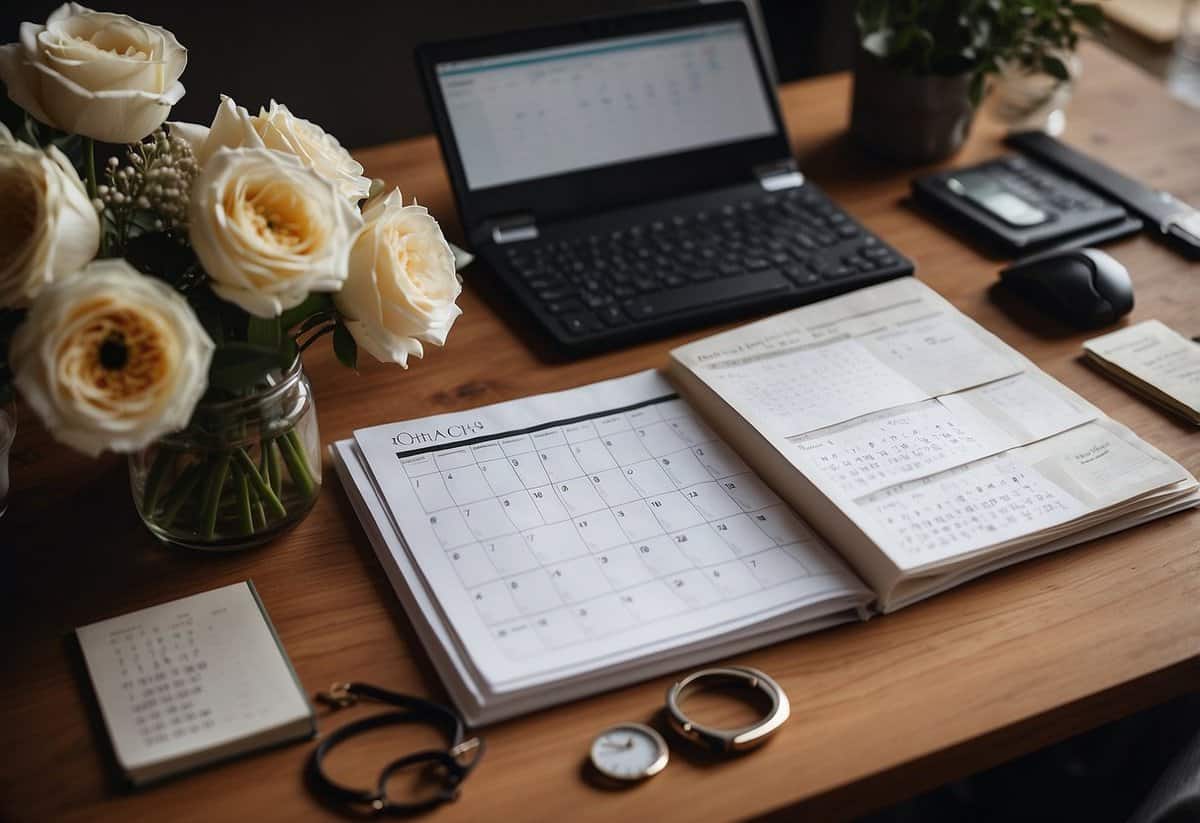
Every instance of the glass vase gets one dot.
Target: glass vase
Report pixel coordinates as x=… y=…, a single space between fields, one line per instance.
x=242 y=472
x=1025 y=100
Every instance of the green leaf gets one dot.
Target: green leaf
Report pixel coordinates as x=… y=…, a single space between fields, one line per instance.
x=287 y=353
x=315 y=303
x=953 y=37
x=160 y=255
x=71 y=145
x=264 y=331
x=237 y=367
x=1089 y=14
x=345 y=347
x=210 y=310
x=1056 y=67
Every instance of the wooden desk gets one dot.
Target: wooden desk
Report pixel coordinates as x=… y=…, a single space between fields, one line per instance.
x=882 y=710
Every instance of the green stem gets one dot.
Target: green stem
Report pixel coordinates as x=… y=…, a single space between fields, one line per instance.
x=257 y=512
x=297 y=463
x=89 y=164
x=154 y=480
x=260 y=514
x=264 y=451
x=93 y=190
x=212 y=498
x=260 y=485
x=245 y=517
x=274 y=468
x=184 y=486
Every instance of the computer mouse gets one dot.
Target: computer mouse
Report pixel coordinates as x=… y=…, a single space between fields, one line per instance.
x=1086 y=288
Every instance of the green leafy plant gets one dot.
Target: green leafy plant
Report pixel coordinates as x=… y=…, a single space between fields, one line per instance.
x=976 y=37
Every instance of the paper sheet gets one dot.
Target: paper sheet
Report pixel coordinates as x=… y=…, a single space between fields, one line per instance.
x=1019 y=492
x=594 y=525
x=934 y=437
x=805 y=370
x=189 y=675
x=1157 y=355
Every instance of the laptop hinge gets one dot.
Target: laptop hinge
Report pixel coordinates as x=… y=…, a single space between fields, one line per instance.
x=779 y=176
x=513 y=228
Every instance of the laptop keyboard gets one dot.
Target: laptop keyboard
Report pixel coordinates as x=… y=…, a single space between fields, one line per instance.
x=636 y=274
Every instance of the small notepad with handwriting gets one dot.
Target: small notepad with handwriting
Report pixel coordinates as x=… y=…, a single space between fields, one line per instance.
x=1155 y=360
x=192 y=682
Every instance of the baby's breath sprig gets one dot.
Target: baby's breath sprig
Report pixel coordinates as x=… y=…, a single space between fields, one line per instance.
x=150 y=192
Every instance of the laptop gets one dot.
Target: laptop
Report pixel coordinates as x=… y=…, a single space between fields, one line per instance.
x=630 y=177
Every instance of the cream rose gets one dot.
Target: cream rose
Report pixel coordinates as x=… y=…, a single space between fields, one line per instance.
x=279 y=129
x=111 y=359
x=269 y=230
x=48 y=226
x=402 y=284
x=105 y=76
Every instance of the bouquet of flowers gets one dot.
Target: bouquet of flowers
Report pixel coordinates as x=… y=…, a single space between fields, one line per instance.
x=190 y=271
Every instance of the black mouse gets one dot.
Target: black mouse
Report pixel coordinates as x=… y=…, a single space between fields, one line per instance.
x=1086 y=288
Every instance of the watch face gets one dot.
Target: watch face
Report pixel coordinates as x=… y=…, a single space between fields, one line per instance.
x=629 y=752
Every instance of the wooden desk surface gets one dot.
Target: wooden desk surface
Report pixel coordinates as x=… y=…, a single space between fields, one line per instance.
x=881 y=710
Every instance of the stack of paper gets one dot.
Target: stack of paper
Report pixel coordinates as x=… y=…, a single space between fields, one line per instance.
x=1155 y=360
x=553 y=547
x=925 y=449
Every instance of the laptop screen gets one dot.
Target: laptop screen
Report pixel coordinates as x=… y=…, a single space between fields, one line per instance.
x=531 y=114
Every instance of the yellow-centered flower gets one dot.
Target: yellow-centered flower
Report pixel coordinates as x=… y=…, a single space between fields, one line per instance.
x=111 y=359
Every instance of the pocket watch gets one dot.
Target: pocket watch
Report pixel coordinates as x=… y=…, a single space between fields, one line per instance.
x=629 y=752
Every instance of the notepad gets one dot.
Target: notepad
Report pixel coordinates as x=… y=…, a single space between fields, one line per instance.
x=831 y=463
x=1154 y=360
x=192 y=682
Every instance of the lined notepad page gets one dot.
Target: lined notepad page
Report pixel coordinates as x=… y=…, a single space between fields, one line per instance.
x=189 y=675
x=566 y=531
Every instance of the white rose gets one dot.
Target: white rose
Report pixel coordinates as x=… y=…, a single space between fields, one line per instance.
x=402 y=284
x=105 y=76
x=269 y=230
x=111 y=359
x=48 y=227
x=277 y=128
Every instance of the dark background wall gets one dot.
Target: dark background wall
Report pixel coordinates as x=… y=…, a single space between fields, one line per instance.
x=348 y=65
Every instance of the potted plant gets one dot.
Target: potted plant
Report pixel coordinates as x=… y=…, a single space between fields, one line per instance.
x=923 y=66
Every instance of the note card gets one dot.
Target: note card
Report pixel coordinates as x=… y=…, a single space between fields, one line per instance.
x=193 y=681
x=1154 y=359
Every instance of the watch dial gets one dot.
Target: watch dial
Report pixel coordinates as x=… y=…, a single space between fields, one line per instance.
x=629 y=752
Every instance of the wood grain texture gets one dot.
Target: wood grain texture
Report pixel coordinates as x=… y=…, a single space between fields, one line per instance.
x=881 y=711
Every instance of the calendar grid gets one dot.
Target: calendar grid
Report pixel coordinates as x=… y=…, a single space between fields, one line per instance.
x=663 y=516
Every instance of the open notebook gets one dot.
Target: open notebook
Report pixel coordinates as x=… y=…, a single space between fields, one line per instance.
x=838 y=460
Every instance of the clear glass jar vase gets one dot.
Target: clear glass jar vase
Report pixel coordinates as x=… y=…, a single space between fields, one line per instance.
x=243 y=470
x=1024 y=100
